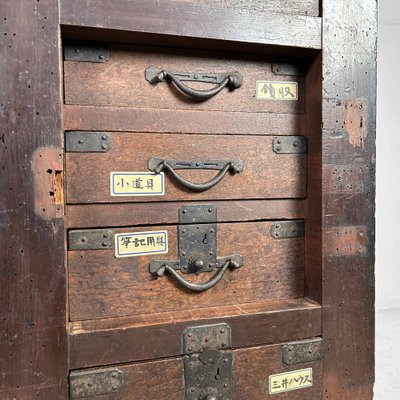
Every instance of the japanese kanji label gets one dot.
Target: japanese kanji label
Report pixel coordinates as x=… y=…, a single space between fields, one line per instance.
x=140 y=243
x=289 y=381
x=276 y=90
x=136 y=184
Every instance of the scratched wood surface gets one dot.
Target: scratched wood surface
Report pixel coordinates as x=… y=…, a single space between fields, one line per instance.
x=120 y=81
x=187 y=22
x=251 y=370
x=133 y=338
x=348 y=184
x=33 y=340
x=266 y=174
x=101 y=285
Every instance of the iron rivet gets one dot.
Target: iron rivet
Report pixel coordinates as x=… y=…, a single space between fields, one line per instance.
x=339 y=178
x=105 y=236
x=211 y=253
x=104 y=244
x=290 y=359
x=225 y=360
x=104 y=137
x=192 y=390
x=279 y=141
x=222 y=330
x=277 y=226
x=225 y=385
x=207 y=339
x=277 y=234
x=114 y=387
x=183 y=230
x=290 y=348
x=295 y=144
x=211 y=230
x=104 y=147
x=184 y=211
x=310 y=351
x=190 y=334
x=197 y=164
x=196 y=77
x=279 y=148
x=190 y=348
x=183 y=253
x=80 y=141
x=101 y=57
x=114 y=375
x=76 y=50
x=294 y=230
x=210 y=210
x=184 y=267
x=83 y=240
x=223 y=344
x=90 y=384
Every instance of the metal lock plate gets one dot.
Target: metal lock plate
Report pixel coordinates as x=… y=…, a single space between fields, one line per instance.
x=208 y=367
x=197 y=243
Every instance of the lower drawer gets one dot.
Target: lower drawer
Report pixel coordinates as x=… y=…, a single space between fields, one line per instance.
x=289 y=371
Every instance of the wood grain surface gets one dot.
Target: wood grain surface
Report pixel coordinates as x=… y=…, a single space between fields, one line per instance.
x=33 y=337
x=101 y=285
x=266 y=174
x=251 y=370
x=120 y=81
x=189 y=20
x=348 y=150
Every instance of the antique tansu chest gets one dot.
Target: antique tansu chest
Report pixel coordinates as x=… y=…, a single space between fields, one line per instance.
x=189 y=200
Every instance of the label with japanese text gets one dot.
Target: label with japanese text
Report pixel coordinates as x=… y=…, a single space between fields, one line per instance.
x=289 y=381
x=277 y=90
x=136 y=184
x=140 y=243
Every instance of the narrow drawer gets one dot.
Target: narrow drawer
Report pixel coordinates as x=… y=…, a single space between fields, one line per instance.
x=266 y=172
x=104 y=283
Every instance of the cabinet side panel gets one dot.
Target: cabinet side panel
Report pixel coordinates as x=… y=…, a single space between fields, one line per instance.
x=349 y=110
x=33 y=345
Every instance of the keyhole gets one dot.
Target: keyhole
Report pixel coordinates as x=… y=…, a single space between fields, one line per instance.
x=217 y=375
x=205 y=240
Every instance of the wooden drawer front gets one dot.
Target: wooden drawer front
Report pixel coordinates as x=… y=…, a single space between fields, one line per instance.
x=101 y=285
x=252 y=367
x=120 y=80
x=266 y=174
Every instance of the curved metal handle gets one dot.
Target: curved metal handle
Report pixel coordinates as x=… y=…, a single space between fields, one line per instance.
x=197 y=287
x=232 y=80
x=158 y=165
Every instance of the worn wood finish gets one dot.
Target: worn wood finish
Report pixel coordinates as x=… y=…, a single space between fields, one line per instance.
x=266 y=174
x=182 y=20
x=251 y=370
x=303 y=7
x=127 y=119
x=349 y=98
x=126 y=339
x=33 y=345
x=120 y=81
x=155 y=213
x=101 y=285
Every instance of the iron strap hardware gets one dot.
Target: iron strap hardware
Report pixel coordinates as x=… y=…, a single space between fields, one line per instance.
x=290 y=145
x=302 y=352
x=92 y=383
x=158 y=165
x=87 y=142
x=208 y=362
x=287 y=229
x=93 y=239
x=86 y=52
x=197 y=247
x=232 y=80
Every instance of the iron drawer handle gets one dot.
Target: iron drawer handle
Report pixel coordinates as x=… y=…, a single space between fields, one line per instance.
x=197 y=287
x=158 y=165
x=232 y=80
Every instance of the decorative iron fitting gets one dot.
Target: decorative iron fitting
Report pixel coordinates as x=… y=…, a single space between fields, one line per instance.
x=93 y=239
x=287 y=229
x=86 y=52
x=302 y=352
x=290 y=145
x=87 y=142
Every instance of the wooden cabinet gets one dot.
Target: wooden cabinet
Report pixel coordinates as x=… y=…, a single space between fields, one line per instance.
x=198 y=200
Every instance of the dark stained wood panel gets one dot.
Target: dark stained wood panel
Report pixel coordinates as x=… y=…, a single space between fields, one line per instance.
x=172 y=19
x=156 y=213
x=128 y=119
x=348 y=143
x=33 y=340
x=101 y=285
x=251 y=370
x=266 y=174
x=120 y=81
x=126 y=339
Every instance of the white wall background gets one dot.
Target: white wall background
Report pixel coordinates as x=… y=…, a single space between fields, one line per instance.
x=388 y=203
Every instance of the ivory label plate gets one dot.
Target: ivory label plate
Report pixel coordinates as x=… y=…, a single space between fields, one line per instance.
x=289 y=381
x=137 y=184
x=277 y=90
x=135 y=244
